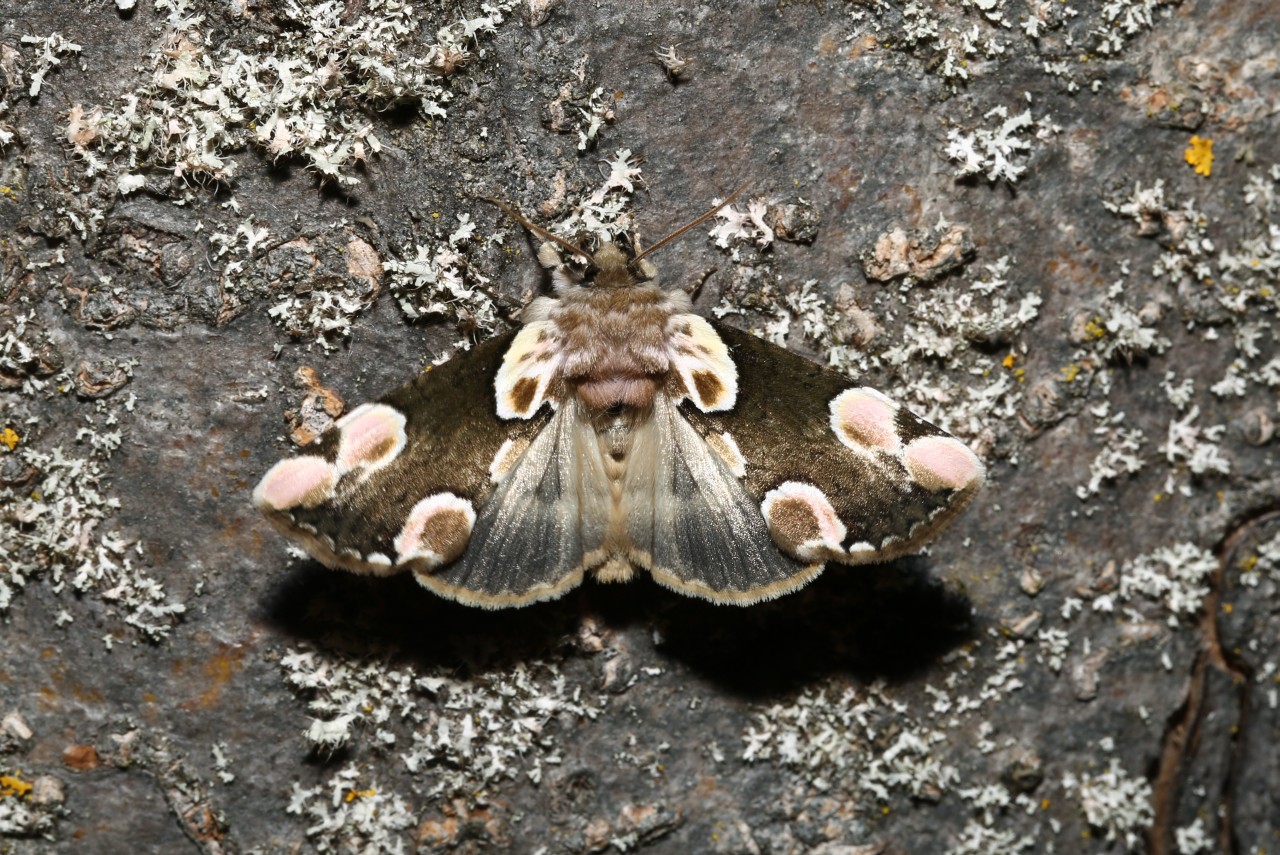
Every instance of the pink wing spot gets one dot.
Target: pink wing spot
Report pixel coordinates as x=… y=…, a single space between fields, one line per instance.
x=943 y=463
x=372 y=436
x=436 y=532
x=863 y=419
x=803 y=522
x=297 y=482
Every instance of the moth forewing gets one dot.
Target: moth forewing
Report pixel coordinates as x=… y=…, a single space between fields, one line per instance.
x=618 y=430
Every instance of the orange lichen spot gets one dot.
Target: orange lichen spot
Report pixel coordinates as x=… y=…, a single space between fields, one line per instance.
x=81 y=757
x=1200 y=155
x=1044 y=804
x=1010 y=360
x=9 y=438
x=13 y=785
x=352 y=795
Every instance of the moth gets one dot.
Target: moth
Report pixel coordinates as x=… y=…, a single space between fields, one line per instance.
x=615 y=431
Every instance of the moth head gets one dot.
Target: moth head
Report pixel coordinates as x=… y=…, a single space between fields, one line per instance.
x=616 y=266
x=613 y=264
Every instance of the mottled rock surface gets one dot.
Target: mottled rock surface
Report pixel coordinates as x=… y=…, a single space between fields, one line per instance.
x=1052 y=228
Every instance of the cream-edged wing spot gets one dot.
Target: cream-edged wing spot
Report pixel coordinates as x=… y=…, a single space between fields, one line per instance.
x=864 y=419
x=702 y=361
x=370 y=437
x=943 y=463
x=509 y=454
x=528 y=367
x=299 y=482
x=436 y=532
x=726 y=448
x=803 y=522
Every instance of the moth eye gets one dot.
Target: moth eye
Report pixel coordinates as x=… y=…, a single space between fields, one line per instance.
x=863 y=419
x=299 y=482
x=436 y=532
x=942 y=463
x=372 y=436
x=802 y=521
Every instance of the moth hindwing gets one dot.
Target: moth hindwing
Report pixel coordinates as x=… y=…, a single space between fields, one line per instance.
x=616 y=430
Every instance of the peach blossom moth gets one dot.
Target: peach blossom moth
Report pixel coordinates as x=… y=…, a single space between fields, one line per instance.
x=617 y=430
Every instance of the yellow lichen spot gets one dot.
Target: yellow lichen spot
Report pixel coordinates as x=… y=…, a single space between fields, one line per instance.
x=13 y=785
x=352 y=795
x=1227 y=608
x=1200 y=155
x=1009 y=360
x=9 y=438
x=1044 y=804
x=1247 y=564
x=1094 y=329
x=435 y=215
x=1071 y=372
x=885 y=810
x=1158 y=497
x=1020 y=375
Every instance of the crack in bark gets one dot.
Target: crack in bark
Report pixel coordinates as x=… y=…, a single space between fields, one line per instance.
x=1180 y=742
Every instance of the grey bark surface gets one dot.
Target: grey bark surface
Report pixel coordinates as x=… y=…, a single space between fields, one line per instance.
x=1057 y=673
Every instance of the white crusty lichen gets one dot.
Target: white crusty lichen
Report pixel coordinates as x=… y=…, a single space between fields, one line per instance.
x=1175 y=576
x=1121 y=454
x=50 y=50
x=310 y=93
x=1115 y=331
x=1195 y=448
x=439 y=281
x=834 y=742
x=606 y=212
x=1264 y=565
x=746 y=227
x=1115 y=802
x=352 y=813
x=980 y=839
x=55 y=530
x=1000 y=152
x=457 y=733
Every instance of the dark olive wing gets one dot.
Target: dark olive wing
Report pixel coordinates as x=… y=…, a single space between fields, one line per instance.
x=841 y=471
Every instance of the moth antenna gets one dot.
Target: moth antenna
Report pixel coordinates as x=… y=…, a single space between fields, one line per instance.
x=680 y=231
x=538 y=230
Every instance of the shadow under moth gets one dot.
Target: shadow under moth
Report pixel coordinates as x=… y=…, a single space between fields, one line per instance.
x=618 y=430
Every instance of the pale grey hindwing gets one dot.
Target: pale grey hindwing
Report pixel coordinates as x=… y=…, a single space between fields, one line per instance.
x=530 y=537
x=705 y=533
